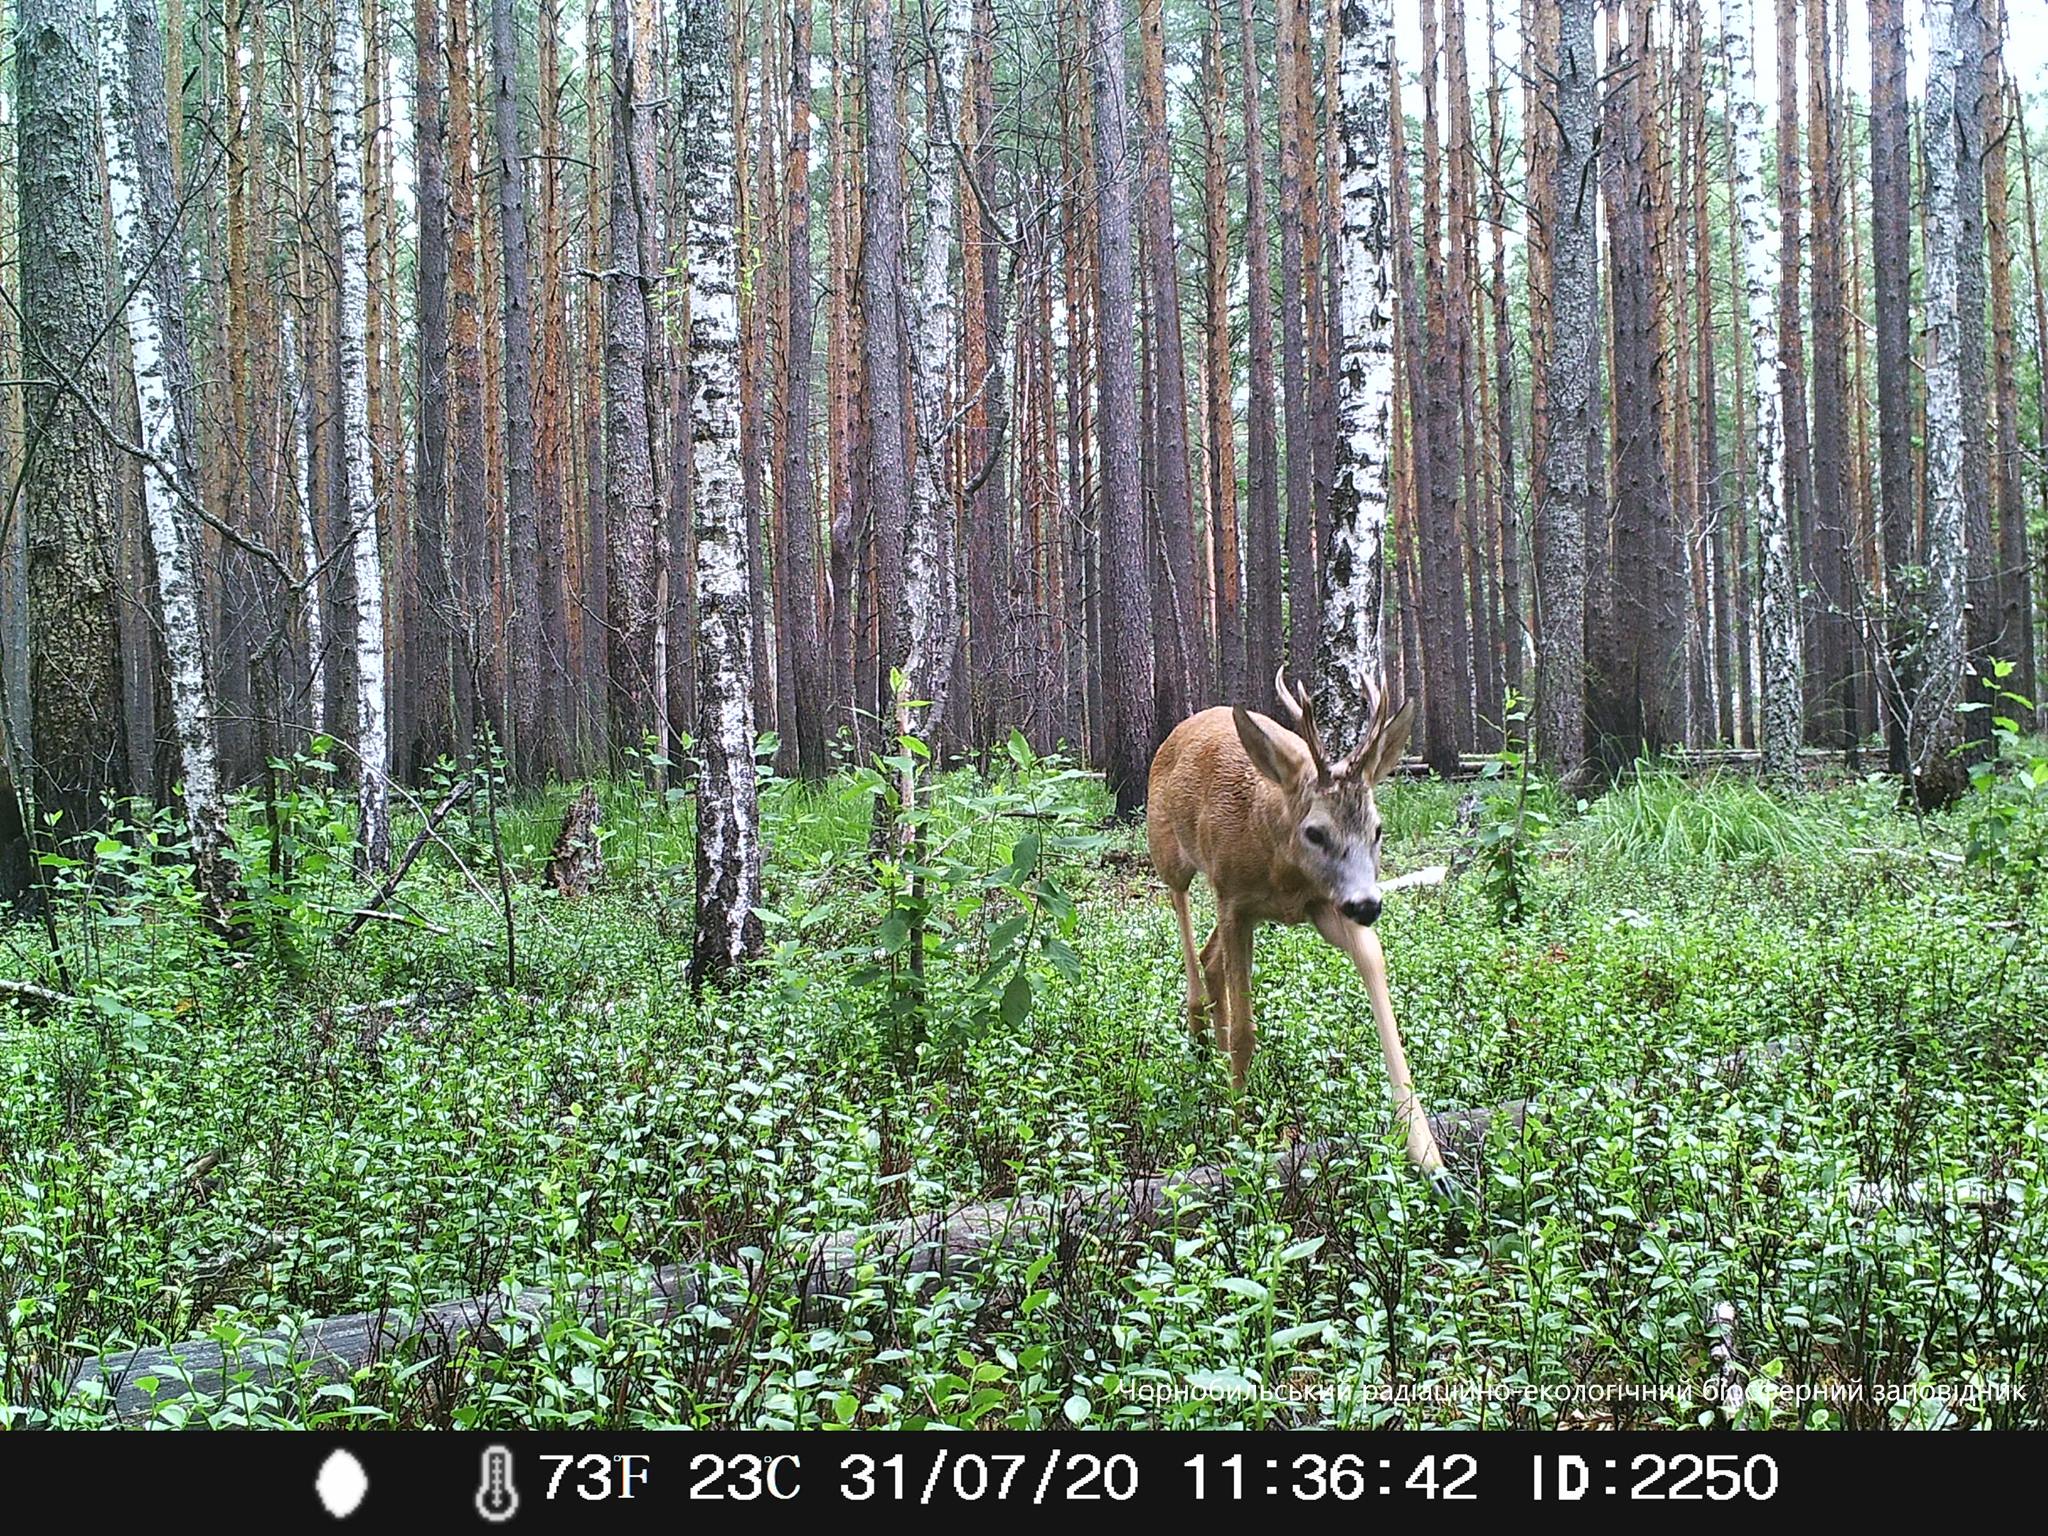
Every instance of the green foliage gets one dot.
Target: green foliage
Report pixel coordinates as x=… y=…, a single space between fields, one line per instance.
x=974 y=916
x=1656 y=816
x=1808 y=1086
x=1516 y=830
x=2005 y=820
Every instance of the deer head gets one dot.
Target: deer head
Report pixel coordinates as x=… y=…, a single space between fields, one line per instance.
x=1335 y=837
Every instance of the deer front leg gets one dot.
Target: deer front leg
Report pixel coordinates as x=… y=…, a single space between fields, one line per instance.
x=1235 y=940
x=1363 y=946
x=1198 y=997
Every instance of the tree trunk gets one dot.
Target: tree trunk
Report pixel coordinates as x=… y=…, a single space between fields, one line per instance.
x=1182 y=655
x=1636 y=678
x=1935 y=730
x=1980 y=610
x=523 y=636
x=1126 y=593
x=930 y=594
x=1446 y=637
x=728 y=929
x=432 y=609
x=1296 y=188
x=2040 y=370
x=2014 y=640
x=373 y=745
x=560 y=740
x=633 y=511
x=1762 y=246
x=1354 y=566
x=1828 y=558
x=76 y=741
x=883 y=328
x=1561 y=516
x=1891 y=266
x=1219 y=371
x=469 y=529
x=1513 y=628
x=1265 y=633
x=807 y=657
x=143 y=201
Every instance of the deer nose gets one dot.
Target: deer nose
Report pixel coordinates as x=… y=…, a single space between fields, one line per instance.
x=1365 y=912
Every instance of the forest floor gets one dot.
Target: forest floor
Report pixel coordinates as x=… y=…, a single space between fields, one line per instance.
x=217 y=1145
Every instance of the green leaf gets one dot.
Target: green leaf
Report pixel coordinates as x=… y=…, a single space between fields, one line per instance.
x=1016 y=1004
x=1077 y=1408
x=1294 y=1252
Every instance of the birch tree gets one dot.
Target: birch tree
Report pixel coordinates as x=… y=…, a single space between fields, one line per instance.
x=930 y=594
x=141 y=198
x=1354 y=565
x=373 y=742
x=1759 y=238
x=728 y=928
x=1933 y=730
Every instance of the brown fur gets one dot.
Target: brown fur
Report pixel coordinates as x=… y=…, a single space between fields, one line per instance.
x=1230 y=795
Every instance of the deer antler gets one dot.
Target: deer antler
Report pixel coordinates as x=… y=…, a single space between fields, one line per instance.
x=1302 y=708
x=1375 y=694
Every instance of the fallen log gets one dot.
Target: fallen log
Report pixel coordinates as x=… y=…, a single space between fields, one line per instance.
x=949 y=1241
x=954 y=1241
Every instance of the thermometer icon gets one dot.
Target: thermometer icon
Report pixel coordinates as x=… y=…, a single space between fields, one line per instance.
x=496 y=1499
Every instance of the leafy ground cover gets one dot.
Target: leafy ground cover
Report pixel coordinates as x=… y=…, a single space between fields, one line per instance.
x=1789 y=1055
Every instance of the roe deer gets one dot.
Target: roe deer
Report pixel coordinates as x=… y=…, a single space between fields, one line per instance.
x=1284 y=835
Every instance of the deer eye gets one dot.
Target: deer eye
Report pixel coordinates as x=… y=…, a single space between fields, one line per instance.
x=1316 y=837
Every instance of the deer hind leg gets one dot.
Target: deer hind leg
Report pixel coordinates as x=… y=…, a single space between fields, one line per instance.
x=1216 y=978
x=1198 y=996
x=1363 y=946
x=1236 y=944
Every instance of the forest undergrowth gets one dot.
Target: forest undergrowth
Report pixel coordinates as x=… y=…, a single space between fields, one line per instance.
x=1787 y=1052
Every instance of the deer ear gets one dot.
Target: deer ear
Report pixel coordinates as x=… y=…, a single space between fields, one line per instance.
x=1268 y=756
x=1387 y=744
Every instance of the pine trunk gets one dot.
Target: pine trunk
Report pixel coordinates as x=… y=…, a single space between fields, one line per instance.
x=1265 y=632
x=70 y=499
x=633 y=510
x=1573 y=341
x=528 y=704
x=1126 y=592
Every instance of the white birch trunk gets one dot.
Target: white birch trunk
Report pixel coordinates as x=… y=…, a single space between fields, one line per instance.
x=1763 y=249
x=311 y=598
x=929 y=590
x=1354 y=565
x=373 y=740
x=728 y=822
x=1932 y=729
x=193 y=707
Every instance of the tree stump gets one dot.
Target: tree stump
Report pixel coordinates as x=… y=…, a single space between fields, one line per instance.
x=577 y=863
